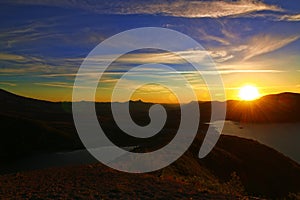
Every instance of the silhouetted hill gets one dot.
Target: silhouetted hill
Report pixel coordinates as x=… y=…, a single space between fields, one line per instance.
x=275 y=108
x=24 y=136
x=16 y=105
x=32 y=125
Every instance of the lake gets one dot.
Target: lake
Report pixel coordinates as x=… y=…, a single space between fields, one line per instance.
x=284 y=137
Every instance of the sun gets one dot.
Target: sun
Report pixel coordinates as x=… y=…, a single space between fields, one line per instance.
x=248 y=93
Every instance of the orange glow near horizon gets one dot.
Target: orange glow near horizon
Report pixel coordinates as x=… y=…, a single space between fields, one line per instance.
x=149 y=93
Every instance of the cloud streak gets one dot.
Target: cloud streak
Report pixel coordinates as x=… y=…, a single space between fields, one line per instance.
x=19 y=58
x=8 y=84
x=295 y=17
x=24 y=64
x=253 y=46
x=262 y=44
x=175 y=8
x=59 y=84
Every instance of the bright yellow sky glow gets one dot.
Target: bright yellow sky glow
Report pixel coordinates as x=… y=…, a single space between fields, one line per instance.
x=248 y=93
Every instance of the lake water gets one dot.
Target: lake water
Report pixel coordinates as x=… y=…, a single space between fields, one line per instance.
x=57 y=159
x=284 y=137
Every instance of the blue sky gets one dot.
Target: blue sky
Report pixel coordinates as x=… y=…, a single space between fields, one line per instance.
x=42 y=43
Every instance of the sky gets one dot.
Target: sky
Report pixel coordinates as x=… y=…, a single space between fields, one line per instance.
x=43 y=44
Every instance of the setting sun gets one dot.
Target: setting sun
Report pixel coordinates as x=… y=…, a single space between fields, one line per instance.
x=248 y=93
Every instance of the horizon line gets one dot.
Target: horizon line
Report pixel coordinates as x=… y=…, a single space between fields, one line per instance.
x=140 y=100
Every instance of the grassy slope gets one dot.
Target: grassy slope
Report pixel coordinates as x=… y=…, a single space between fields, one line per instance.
x=99 y=182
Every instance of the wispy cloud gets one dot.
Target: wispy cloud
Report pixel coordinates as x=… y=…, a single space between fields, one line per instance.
x=253 y=46
x=28 y=32
x=135 y=58
x=19 y=58
x=176 y=8
x=60 y=75
x=29 y=68
x=262 y=44
x=8 y=83
x=169 y=58
x=210 y=37
x=231 y=71
x=12 y=57
x=295 y=17
x=58 y=84
x=25 y=64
